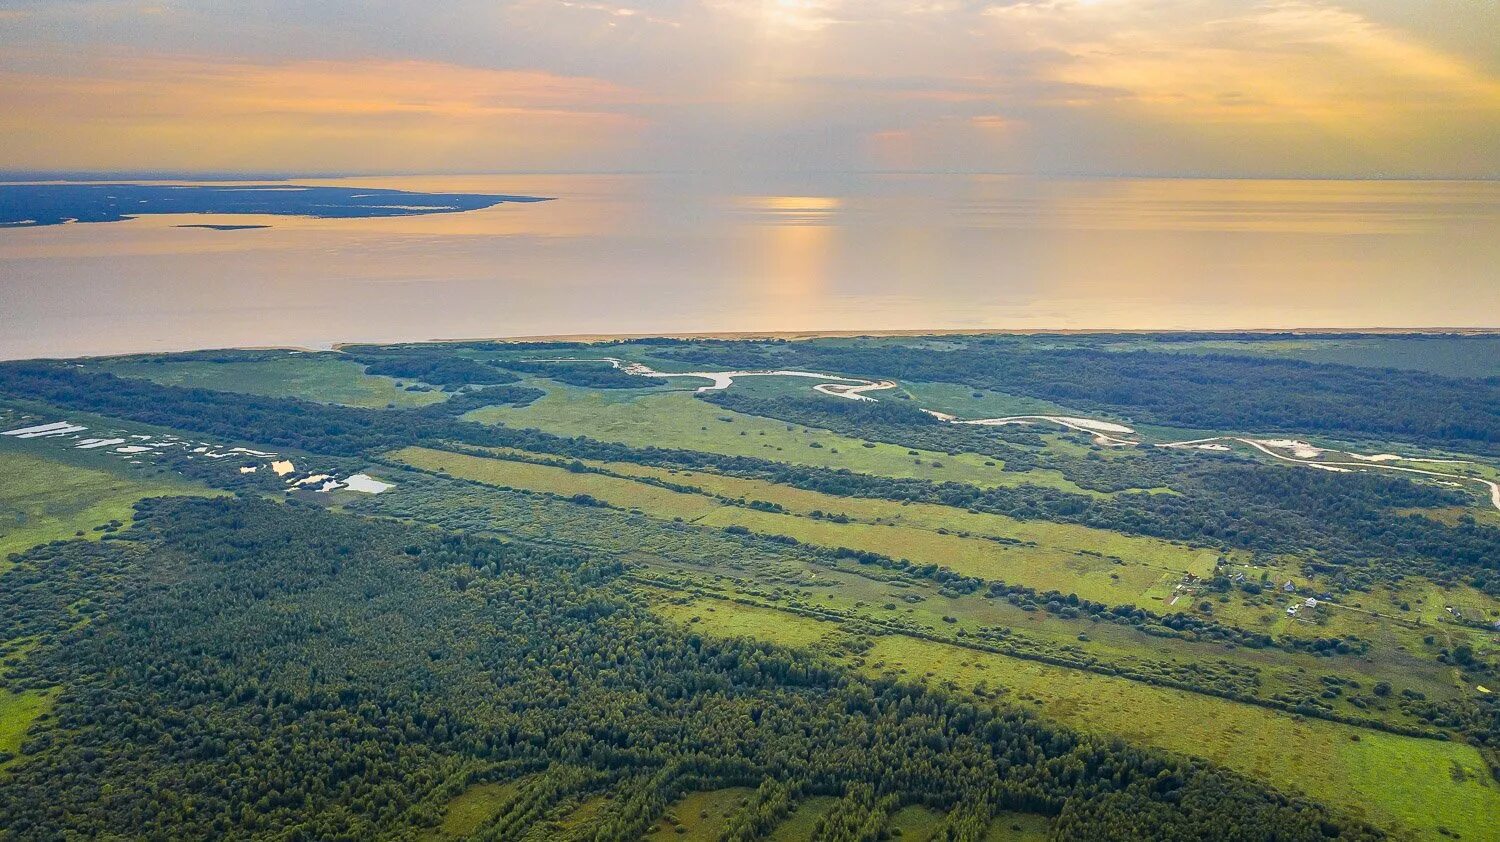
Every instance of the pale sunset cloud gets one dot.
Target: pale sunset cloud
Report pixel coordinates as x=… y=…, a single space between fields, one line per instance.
x=1294 y=87
x=314 y=114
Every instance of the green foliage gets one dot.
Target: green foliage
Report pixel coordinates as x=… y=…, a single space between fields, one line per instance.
x=322 y=377
x=235 y=669
x=435 y=367
x=768 y=807
x=1215 y=392
x=288 y=671
x=591 y=375
x=49 y=496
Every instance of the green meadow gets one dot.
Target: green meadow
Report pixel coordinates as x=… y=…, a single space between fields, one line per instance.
x=1150 y=551
x=798 y=827
x=466 y=812
x=50 y=494
x=852 y=592
x=505 y=473
x=1043 y=566
x=700 y=816
x=18 y=710
x=1397 y=781
x=916 y=824
x=677 y=419
x=314 y=377
x=1017 y=827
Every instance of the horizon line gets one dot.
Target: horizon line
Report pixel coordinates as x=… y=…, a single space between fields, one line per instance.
x=44 y=175
x=803 y=335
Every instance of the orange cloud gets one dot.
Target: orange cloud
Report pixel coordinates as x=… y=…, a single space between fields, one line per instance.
x=123 y=109
x=1274 y=62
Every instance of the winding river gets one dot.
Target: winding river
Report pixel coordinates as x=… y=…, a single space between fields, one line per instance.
x=1107 y=433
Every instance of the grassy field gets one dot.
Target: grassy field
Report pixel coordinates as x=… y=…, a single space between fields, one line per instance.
x=1392 y=780
x=504 y=473
x=1017 y=827
x=727 y=619
x=17 y=712
x=50 y=494
x=1041 y=567
x=848 y=592
x=915 y=824
x=1044 y=566
x=467 y=811
x=579 y=817
x=798 y=827
x=1318 y=757
x=1144 y=575
x=1150 y=551
x=314 y=377
x=700 y=816
x=677 y=419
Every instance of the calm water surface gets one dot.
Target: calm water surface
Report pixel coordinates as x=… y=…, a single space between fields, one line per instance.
x=661 y=254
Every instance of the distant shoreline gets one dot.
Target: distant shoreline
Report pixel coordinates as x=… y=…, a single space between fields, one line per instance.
x=850 y=334
x=796 y=335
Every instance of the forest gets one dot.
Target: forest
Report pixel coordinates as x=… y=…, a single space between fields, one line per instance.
x=236 y=668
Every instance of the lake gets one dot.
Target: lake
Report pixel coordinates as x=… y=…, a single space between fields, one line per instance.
x=679 y=253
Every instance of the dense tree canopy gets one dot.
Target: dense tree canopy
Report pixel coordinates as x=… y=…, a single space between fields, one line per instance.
x=234 y=668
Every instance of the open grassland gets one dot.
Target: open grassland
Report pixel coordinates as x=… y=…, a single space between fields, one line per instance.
x=929 y=516
x=700 y=816
x=1399 y=782
x=1143 y=575
x=49 y=495
x=916 y=824
x=1042 y=566
x=466 y=812
x=1392 y=779
x=1397 y=638
x=578 y=819
x=852 y=593
x=17 y=712
x=677 y=419
x=798 y=827
x=726 y=619
x=315 y=377
x=1431 y=602
x=504 y=473
x=1017 y=827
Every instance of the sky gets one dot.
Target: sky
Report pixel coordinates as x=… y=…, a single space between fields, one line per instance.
x=1286 y=88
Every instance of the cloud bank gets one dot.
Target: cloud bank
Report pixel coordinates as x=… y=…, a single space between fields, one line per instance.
x=1279 y=87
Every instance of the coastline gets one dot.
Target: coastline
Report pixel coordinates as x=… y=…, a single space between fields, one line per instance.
x=799 y=335
x=854 y=334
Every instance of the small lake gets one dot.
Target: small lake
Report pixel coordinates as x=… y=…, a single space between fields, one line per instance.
x=676 y=253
